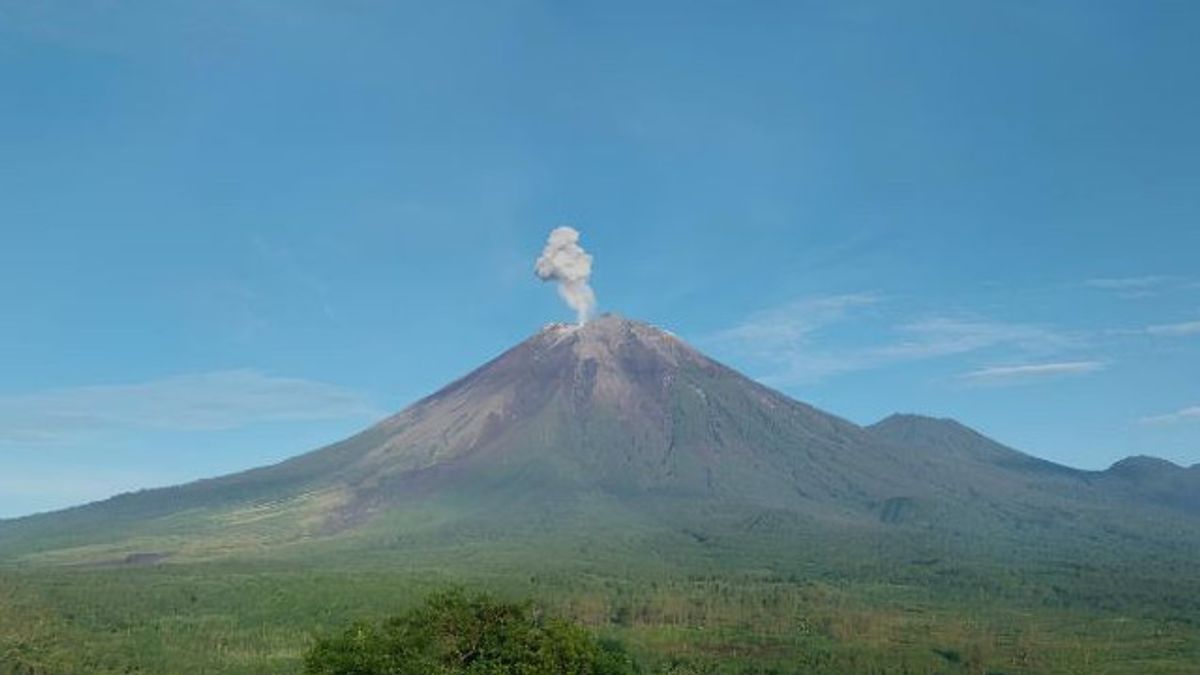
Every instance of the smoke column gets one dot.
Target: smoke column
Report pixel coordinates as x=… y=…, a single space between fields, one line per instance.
x=564 y=261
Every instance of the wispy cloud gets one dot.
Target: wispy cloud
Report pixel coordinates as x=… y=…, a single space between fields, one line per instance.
x=784 y=339
x=1190 y=414
x=785 y=326
x=1029 y=372
x=944 y=336
x=1174 y=329
x=1128 y=283
x=1140 y=286
x=199 y=402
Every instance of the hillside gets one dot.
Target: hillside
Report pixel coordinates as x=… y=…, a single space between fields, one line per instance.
x=618 y=432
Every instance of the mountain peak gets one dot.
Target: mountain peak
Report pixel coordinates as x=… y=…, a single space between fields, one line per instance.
x=942 y=434
x=615 y=421
x=1144 y=465
x=610 y=337
x=913 y=427
x=607 y=326
x=1160 y=480
x=914 y=419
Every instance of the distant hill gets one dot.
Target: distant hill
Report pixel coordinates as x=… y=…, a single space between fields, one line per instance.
x=1157 y=480
x=617 y=440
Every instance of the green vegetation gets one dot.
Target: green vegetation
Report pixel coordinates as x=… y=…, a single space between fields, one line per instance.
x=260 y=616
x=453 y=634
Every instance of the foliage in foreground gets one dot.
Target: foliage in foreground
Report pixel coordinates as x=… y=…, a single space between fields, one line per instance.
x=453 y=634
x=944 y=617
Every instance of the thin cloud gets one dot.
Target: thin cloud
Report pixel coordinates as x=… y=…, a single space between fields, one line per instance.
x=945 y=336
x=1141 y=286
x=1029 y=372
x=1189 y=414
x=198 y=402
x=1174 y=329
x=784 y=326
x=1128 y=283
x=785 y=339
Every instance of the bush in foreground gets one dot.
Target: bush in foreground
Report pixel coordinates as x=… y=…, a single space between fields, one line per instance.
x=456 y=634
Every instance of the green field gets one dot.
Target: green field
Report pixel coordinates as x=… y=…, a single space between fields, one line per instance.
x=258 y=616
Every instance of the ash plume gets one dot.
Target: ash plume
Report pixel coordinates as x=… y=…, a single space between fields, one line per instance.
x=564 y=260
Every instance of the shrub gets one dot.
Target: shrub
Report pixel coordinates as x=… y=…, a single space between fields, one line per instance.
x=456 y=634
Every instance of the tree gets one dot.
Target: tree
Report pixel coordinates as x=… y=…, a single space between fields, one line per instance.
x=456 y=634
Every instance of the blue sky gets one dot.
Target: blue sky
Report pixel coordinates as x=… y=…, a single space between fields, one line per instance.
x=237 y=231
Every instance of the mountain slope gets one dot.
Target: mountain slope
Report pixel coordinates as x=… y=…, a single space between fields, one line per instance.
x=615 y=430
x=1157 y=481
x=1140 y=480
x=949 y=438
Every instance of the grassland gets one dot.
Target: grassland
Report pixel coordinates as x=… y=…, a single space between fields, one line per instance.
x=258 y=615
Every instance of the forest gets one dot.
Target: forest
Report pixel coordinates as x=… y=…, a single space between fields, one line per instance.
x=921 y=617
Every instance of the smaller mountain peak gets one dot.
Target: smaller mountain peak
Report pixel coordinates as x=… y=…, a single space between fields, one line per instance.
x=942 y=433
x=1142 y=465
x=897 y=421
x=911 y=417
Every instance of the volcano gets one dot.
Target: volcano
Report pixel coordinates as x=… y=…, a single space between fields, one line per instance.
x=617 y=439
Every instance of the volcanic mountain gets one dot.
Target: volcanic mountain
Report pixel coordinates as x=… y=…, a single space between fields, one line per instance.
x=615 y=439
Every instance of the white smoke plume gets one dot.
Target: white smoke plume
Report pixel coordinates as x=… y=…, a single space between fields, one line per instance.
x=564 y=260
